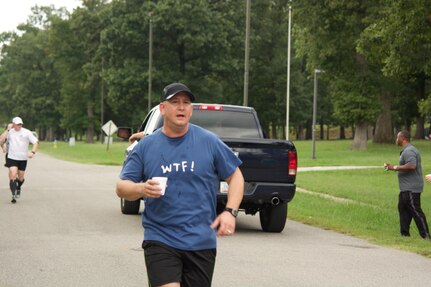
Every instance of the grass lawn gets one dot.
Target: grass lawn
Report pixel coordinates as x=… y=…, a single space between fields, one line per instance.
x=370 y=212
x=339 y=153
x=362 y=203
x=81 y=152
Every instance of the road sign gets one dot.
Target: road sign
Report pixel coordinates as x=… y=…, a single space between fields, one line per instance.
x=109 y=128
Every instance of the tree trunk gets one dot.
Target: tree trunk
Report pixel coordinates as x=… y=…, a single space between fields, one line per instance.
x=49 y=135
x=342 y=133
x=309 y=130
x=420 y=128
x=41 y=134
x=384 y=132
x=90 y=128
x=322 y=131
x=273 y=134
x=360 y=139
x=420 y=121
x=370 y=133
x=300 y=133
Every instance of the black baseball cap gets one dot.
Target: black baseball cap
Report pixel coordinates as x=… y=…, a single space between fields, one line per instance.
x=172 y=89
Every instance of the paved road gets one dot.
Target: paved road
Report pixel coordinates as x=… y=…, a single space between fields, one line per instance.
x=67 y=230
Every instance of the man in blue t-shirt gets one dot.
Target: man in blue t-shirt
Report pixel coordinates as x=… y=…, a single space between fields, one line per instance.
x=180 y=227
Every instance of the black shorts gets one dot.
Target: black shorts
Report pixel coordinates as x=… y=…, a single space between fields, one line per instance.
x=166 y=265
x=21 y=164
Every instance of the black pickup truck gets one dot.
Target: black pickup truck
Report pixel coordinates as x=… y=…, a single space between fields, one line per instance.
x=269 y=166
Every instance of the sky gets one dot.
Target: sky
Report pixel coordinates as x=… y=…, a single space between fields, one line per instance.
x=14 y=12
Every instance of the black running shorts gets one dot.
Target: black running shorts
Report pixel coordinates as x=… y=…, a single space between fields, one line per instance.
x=167 y=265
x=21 y=164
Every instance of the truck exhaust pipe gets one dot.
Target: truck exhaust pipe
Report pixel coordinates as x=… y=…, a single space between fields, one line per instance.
x=275 y=200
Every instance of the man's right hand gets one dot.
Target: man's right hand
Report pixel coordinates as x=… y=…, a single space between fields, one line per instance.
x=131 y=191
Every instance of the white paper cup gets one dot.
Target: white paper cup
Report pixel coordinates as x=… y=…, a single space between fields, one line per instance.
x=163 y=183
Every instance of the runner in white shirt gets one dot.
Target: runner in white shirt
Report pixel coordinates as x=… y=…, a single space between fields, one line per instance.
x=18 y=139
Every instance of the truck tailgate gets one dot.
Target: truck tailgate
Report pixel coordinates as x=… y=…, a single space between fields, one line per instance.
x=264 y=160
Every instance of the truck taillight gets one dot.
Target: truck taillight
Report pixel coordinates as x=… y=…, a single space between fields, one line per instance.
x=211 y=107
x=293 y=162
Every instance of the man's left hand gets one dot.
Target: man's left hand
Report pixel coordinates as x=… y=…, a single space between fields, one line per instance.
x=225 y=224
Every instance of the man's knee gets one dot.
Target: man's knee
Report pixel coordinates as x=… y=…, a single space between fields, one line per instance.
x=21 y=176
x=12 y=175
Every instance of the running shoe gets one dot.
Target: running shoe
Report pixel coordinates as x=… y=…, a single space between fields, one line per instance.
x=18 y=187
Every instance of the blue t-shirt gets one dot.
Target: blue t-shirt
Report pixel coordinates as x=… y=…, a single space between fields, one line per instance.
x=193 y=163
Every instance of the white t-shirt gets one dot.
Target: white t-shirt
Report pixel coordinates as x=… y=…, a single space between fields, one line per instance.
x=18 y=142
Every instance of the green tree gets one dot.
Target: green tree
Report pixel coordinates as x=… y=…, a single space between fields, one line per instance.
x=124 y=50
x=326 y=34
x=398 y=40
x=29 y=81
x=74 y=45
x=200 y=51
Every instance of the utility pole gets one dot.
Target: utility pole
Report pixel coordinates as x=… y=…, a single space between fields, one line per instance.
x=150 y=62
x=102 y=96
x=288 y=72
x=316 y=71
x=247 y=52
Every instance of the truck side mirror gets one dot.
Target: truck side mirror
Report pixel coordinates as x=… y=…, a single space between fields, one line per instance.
x=124 y=133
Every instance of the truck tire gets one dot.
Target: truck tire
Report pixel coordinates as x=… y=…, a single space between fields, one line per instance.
x=273 y=217
x=130 y=207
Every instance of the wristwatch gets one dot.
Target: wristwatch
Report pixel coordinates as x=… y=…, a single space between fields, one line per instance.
x=232 y=211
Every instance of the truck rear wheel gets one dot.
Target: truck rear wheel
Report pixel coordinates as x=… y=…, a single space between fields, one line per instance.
x=130 y=207
x=273 y=217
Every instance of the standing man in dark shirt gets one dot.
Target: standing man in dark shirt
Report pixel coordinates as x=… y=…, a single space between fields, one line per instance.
x=411 y=185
